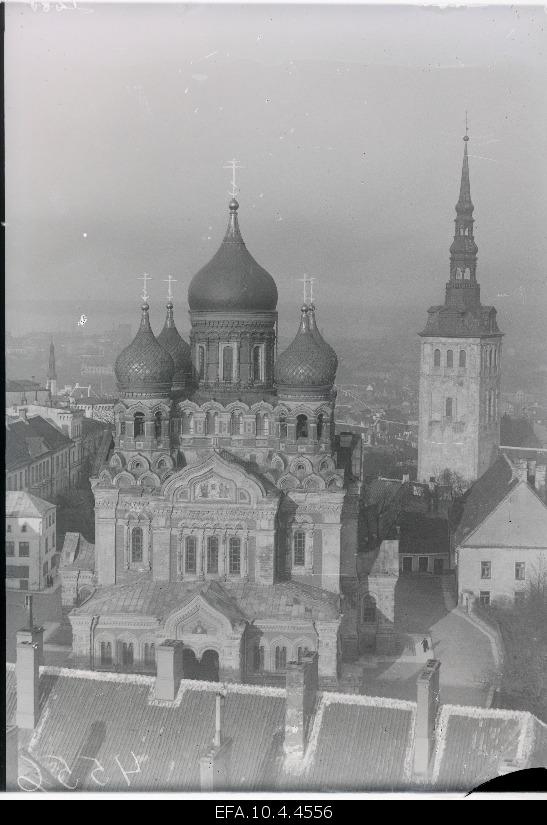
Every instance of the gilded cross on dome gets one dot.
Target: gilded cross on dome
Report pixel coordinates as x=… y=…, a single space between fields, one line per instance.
x=233 y=165
x=170 y=280
x=308 y=288
x=146 y=277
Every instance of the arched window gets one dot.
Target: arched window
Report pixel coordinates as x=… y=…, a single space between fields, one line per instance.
x=280 y=658
x=127 y=654
x=302 y=426
x=369 y=610
x=24 y=528
x=467 y=273
x=437 y=358
x=257 y=372
x=458 y=274
x=187 y=423
x=489 y=359
x=190 y=554
x=9 y=528
x=320 y=425
x=282 y=426
x=106 y=653
x=299 y=548
x=212 y=554
x=299 y=654
x=227 y=364
x=138 y=424
x=235 y=423
x=463 y=358
x=262 y=424
x=235 y=556
x=149 y=654
x=211 y=423
x=122 y=427
x=136 y=545
x=157 y=425
x=201 y=363
x=450 y=358
x=448 y=408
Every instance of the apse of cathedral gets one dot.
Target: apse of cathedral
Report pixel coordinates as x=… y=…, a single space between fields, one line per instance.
x=227 y=514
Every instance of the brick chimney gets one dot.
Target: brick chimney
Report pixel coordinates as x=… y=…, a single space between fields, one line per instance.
x=426 y=713
x=27 y=670
x=540 y=480
x=301 y=683
x=169 y=670
x=214 y=766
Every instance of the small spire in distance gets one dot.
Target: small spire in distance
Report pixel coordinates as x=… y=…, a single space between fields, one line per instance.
x=465 y=203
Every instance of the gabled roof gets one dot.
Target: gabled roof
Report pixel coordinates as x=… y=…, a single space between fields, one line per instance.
x=482 y=497
x=39 y=435
x=20 y=503
x=502 y=511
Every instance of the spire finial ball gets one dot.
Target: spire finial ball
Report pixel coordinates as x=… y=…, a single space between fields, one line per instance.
x=234 y=205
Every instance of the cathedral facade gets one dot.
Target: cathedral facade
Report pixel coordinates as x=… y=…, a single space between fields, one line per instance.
x=460 y=368
x=223 y=516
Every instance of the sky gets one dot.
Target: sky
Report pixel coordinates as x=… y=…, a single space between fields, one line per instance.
x=348 y=124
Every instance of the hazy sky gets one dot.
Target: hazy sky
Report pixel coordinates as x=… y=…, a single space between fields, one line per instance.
x=348 y=122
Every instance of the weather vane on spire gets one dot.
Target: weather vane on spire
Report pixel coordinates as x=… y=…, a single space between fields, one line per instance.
x=146 y=277
x=170 y=280
x=307 y=281
x=233 y=165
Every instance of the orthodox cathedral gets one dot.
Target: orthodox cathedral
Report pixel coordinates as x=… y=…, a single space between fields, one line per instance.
x=227 y=514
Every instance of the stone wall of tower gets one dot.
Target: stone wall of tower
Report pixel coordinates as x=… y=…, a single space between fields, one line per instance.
x=464 y=442
x=449 y=442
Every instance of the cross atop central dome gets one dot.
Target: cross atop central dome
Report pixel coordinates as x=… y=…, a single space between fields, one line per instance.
x=232 y=280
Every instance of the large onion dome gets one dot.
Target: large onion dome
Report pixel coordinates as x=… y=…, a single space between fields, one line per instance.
x=178 y=349
x=144 y=367
x=320 y=340
x=306 y=367
x=232 y=280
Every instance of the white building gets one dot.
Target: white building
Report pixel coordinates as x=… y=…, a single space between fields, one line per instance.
x=31 y=545
x=501 y=538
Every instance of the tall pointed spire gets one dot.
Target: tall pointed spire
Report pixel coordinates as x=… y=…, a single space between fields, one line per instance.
x=462 y=288
x=51 y=373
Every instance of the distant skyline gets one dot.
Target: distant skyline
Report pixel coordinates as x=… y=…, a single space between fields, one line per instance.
x=347 y=122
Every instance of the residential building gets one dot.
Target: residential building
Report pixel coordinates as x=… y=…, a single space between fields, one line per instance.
x=460 y=368
x=38 y=457
x=501 y=534
x=31 y=551
x=23 y=392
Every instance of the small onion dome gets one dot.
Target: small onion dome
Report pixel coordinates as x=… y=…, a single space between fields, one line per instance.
x=305 y=367
x=178 y=349
x=144 y=366
x=320 y=340
x=232 y=280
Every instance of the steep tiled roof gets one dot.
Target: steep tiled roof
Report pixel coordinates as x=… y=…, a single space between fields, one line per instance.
x=112 y=721
x=382 y=490
x=19 y=503
x=17 y=452
x=237 y=601
x=482 y=498
x=360 y=743
x=38 y=435
x=423 y=534
x=473 y=742
x=357 y=743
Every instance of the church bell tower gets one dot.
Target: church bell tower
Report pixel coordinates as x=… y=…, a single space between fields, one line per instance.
x=459 y=398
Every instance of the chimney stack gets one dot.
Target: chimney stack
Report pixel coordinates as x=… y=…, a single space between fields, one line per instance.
x=214 y=766
x=540 y=480
x=521 y=470
x=302 y=682
x=27 y=670
x=426 y=713
x=169 y=669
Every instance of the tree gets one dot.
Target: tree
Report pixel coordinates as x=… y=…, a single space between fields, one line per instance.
x=450 y=478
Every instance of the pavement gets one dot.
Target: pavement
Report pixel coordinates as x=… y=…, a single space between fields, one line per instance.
x=425 y=606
